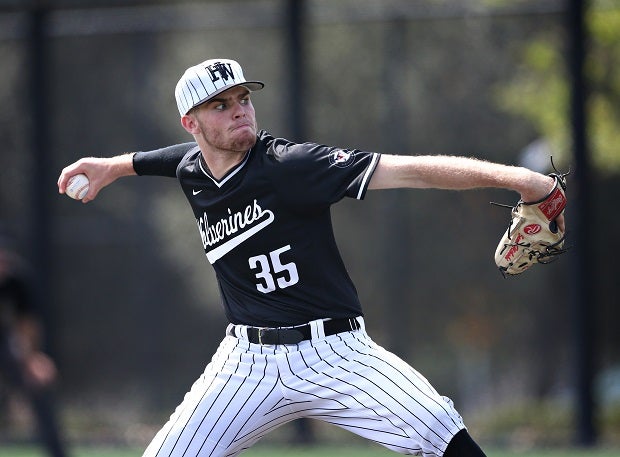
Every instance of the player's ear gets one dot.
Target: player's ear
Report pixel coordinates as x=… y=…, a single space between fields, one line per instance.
x=189 y=123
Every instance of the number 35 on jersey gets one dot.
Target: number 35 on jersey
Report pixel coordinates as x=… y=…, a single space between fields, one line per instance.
x=272 y=270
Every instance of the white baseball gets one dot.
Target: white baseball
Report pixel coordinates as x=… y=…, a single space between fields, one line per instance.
x=77 y=186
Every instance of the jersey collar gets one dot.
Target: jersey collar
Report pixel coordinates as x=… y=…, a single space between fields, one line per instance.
x=205 y=170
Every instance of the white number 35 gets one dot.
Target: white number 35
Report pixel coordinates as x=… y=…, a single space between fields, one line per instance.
x=272 y=273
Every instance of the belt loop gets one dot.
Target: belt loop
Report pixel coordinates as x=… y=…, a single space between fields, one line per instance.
x=260 y=335
x=317 y=331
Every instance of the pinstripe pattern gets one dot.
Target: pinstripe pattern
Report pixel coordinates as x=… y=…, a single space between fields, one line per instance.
x=207 y=79
x=347 y=380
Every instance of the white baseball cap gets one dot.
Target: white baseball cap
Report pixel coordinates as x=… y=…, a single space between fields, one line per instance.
x=207 y=79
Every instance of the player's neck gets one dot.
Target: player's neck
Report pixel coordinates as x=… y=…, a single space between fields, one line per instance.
x=218 y=164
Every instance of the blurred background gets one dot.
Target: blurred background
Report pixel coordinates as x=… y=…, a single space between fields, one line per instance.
x=129 y=304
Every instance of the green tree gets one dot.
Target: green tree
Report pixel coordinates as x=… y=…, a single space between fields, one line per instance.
x=539 y=90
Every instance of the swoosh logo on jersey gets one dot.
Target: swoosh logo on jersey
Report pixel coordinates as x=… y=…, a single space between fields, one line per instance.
x=231 y=230
x=225 y=248
x=196 y=192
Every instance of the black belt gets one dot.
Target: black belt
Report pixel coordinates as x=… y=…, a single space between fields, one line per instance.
x=294 y=335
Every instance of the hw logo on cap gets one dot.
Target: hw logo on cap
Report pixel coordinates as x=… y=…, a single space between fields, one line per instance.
x=202 y=82
x=219 y=71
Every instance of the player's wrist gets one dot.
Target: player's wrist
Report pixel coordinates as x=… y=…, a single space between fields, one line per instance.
x=123 y=165
x=536 y=187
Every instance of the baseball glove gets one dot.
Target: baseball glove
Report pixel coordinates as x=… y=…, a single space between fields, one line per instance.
x=533 y=235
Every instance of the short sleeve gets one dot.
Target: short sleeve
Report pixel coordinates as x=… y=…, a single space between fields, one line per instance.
x=318 y=174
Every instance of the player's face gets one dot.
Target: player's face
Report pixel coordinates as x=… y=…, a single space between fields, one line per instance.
x=228 y=121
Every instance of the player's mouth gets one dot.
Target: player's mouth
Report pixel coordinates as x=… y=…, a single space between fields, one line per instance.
x=244 y=125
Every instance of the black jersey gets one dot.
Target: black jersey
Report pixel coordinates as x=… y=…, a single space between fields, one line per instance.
x=266 y=227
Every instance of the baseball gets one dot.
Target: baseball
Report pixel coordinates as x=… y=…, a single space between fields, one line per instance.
x=77 y=186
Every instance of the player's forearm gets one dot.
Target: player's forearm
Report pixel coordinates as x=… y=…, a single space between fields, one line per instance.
x=457 y=173
x=101 y=171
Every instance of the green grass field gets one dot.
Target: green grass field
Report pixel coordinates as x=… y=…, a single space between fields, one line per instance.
x=318 y=451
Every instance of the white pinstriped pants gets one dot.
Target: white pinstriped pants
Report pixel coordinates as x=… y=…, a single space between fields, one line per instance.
x=346 y=379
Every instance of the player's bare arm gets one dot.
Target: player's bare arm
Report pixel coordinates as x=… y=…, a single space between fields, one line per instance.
x=100 y=171
x=459 y=173
x=104 y=171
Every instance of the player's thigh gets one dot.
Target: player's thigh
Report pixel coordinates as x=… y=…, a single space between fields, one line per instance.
x=223 y=408
x=386 y=400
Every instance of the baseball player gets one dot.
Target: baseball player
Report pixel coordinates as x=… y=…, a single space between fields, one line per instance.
x=296 y=345
x=24 y=367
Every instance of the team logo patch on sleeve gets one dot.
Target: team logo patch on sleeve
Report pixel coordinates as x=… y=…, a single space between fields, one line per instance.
x=341 y=158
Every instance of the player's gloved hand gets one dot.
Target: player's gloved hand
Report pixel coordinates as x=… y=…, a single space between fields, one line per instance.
x=535 y=233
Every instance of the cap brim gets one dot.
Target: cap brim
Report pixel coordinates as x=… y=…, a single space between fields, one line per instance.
x=251 y=85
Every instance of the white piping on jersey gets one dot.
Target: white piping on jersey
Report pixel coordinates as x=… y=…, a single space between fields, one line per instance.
x=369 y=170
x=225 y=180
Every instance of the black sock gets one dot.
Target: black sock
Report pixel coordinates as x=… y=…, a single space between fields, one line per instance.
x=462 y=445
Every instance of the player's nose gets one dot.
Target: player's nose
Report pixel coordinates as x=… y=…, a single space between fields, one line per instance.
x=239 y=110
